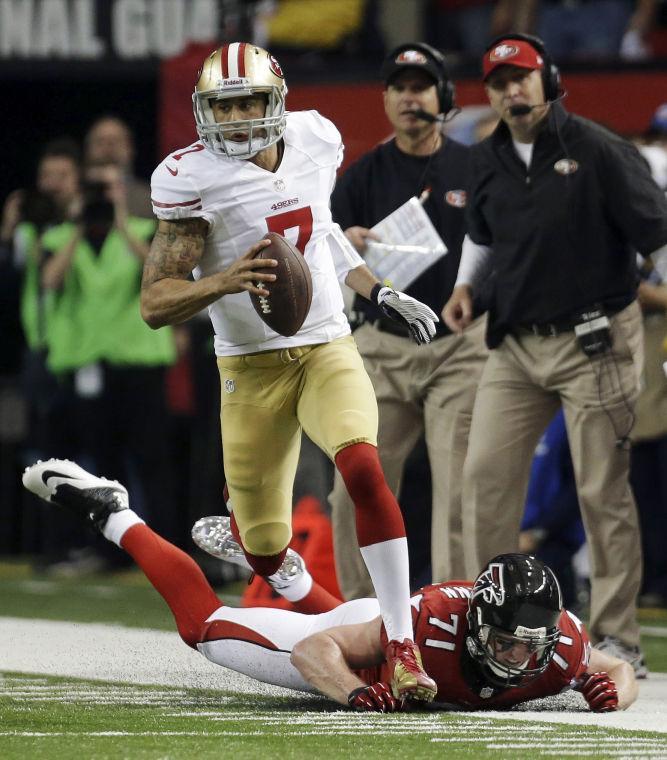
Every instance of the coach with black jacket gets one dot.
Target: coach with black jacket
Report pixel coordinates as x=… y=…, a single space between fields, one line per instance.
x=558 y=206
x=430 y=389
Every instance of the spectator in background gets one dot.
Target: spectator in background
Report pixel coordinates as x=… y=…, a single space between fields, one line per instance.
x=27 y=216
x=110 y=365
x=594 y=29
x=648 y=469
x=649 y=451
x=27 y=213
x=109 y=150
x=653 y=146
x=427 y=389
x=466 y=26
x=109 y=141
x=28 y=392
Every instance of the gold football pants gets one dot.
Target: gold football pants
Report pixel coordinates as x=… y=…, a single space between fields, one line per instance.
x=267 y=399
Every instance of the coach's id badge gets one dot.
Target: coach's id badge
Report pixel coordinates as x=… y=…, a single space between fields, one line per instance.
x=89 y=381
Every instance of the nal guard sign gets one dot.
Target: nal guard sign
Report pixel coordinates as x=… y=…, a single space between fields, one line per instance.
x=94 y=30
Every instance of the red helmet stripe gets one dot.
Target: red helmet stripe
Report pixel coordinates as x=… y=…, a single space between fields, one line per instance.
x=224 y=66
x=241 y=59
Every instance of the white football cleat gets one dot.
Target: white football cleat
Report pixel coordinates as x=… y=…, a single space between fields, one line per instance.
x=64 y=483
x=213 y=534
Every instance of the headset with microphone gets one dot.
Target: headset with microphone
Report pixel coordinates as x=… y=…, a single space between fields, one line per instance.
x=444 y=85
x=426 y=116
x=521 y=109
x=551 y=81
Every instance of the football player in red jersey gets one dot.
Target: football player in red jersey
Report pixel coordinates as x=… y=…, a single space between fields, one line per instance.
x=494 y=643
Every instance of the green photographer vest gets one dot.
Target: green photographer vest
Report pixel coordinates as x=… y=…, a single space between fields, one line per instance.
x=95 y=315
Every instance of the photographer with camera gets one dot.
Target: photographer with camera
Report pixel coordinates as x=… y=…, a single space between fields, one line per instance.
x=26 y=215
x=104 y=207
x=110 y=361
x=32 y=414
x=110 y=140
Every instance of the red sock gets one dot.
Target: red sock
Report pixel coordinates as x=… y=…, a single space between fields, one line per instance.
x=260 y=565
x=318 y=599
x=378 y=515
x=175 y=576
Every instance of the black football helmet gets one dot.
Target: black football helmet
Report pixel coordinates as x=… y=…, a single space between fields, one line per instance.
x=513 y=619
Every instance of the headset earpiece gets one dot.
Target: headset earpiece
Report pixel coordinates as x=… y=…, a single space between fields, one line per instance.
x=445 y=86
x=550 y=73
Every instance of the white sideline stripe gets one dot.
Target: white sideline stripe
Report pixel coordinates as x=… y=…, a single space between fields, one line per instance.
x=653 y=630
x=143 y=656
x=115 y=653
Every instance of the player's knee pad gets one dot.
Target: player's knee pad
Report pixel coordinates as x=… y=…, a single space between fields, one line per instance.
x=267 y=539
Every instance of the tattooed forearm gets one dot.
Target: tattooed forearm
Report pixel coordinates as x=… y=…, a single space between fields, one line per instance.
x=169 y=297
x=175 y=250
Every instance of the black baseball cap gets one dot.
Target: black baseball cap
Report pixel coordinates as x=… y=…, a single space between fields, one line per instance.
x=410 y=56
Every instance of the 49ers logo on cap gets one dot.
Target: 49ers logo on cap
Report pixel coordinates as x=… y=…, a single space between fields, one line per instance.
x=275 y=67
x=504 y=51
x=414 y=57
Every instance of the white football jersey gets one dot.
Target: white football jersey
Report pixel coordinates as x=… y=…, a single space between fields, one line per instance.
x=241 y=203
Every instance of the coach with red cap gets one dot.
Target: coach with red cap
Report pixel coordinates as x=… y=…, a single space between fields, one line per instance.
x=558 y=206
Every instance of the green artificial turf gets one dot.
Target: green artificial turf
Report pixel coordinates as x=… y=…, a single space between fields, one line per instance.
x=61 y=719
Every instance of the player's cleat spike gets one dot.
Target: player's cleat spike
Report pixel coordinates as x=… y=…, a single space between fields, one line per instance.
x=408 y=677
x=64 y=483
x=213 y=535
x=291 y=568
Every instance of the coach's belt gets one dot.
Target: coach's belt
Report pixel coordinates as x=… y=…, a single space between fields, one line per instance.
x=547 y=329
x=558 y=326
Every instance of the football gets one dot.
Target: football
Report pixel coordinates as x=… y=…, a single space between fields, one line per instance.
x=286 y=307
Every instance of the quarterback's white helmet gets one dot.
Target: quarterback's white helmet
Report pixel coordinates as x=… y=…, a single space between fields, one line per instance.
x=236 y=70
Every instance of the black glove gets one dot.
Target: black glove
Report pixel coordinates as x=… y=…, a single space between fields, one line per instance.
x=417 y=316
x=599 y=691
x=374 y=698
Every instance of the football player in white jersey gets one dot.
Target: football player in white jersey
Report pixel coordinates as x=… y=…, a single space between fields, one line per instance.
x=256 y=169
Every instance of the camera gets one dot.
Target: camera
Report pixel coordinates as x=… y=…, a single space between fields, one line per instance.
x=97 y=213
